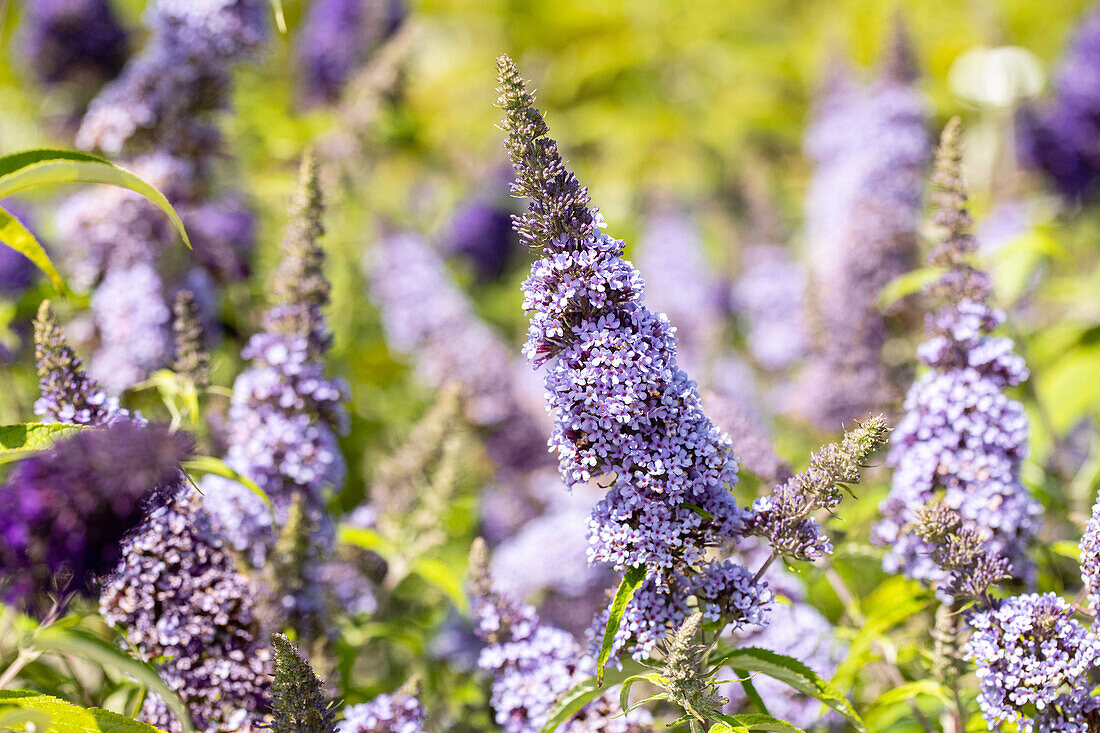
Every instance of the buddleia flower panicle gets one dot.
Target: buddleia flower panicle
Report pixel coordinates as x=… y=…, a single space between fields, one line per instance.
x=286 y=415
x=1058 y=137
x=298 y=703
x=337 y=37
x=67 y=393
x=192 y=358
x=183 y=604
x=962 y=440
x=397 y=713
x=68 y=508
x=532 y=664
x=771 y=296
x=74 y=41
x=786 y=518
x=480 y=231
x=961 y=552
x=1090 y=560
x=1033 y=661
x=870 y=147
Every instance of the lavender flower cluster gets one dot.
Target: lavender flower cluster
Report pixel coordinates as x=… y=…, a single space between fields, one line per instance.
x=1060 y=138
x=533 y=664
x=962 y=439
x=770 y=294
x=870 y=148
x=183 y=605
x=384 y=714
x=157 y=114
x=285 y=419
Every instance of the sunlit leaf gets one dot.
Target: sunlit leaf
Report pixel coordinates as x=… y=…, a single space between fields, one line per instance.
x=630 y=582
x=751 y=722
x=24 y=439
x=19 y=238
x=68 y=718
x=585 y=692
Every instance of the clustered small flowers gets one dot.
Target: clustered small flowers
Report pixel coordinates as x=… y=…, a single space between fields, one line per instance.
x=398 y=713
x=185 y=606
x=786 y=517
x=74 y=41
x=962 y=439
x=870 y=148
x=533 y=664
x=285 y=415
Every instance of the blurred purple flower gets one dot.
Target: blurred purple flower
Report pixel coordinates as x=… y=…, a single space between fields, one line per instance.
x=67 y=509
x=384 y=714
x=481 y=233
x=74 y=41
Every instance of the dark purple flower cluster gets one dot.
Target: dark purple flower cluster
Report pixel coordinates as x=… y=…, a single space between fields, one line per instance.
x=623 y=410
x=74 y=41
x=336 y=39
x=481 y=233
x=870 y=148
x=286 y=415
x=1060 y=138
x=67 y=509
x=961 y=553
x=384 y=714
x=1033 y=661
x=533 y=665
x=184 y=606
x=962 y=439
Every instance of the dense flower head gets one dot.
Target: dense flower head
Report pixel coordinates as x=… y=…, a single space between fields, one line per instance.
x=725 y=591
x=959 y=551
x=384 y=714
x=532 y=664
x=481 y=233
x=192 y=360
x=68 y=508
x=785 y=518
x=771 y=294
x=1030 y=655
x=1090 y=560
x=74 y=40
x=185 y=606
x=336 y=38
x=298 y=702
x=222 y=232
x=870 y=148
x=134 y=322
x=622 y=407
x=1060 y=138
x=67 y=393
x=962 y=439
x=285 y=420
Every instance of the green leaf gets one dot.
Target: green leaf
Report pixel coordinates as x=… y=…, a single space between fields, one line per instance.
x=585 y=692
x=68 y=718
x=45 y=166
x=280 y=17
x=24 y=439
x=791 y=671
x=218 y=467
x=750 y=722
x=80 y=643
x=624 y=692
x=439 y=574
x=19 y=238
x=16 y=718
x=911 y=282
x=750 y=690
x=910 y=691
x=629 y=584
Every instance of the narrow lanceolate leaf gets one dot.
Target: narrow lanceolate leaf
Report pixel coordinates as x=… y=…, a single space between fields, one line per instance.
x=65 y=717
x=750 y=690
x=629 y=584
x=44 y=166
x=791 y=671
x=280 y=16
x=911 y=282
x=79 y=643
x=744 y=723
x=19 y=238
x=24 y=439
x=218 y=467
x=585 y=692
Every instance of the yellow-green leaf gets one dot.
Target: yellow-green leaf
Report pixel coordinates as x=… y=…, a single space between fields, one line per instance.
x=24 y=439
x=630 y=582
x=65 y=717
x=218 y=467
x=19 y=238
